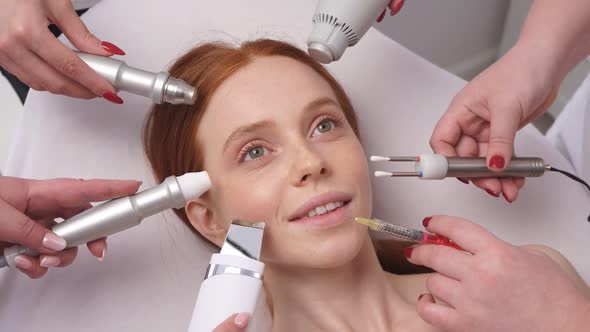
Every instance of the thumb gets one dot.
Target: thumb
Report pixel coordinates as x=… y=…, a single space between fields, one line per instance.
x=72 y=26
x=503 y=127
x=16 y=227
x=234 y=323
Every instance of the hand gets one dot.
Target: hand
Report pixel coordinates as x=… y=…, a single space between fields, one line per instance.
x=495 y=286
x=483 y=118
x=395 y=6
x=235 y=323
x=32 y=53
x=28 y=208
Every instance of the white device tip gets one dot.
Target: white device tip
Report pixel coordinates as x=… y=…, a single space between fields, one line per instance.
x=193 y=185
x=382 y=174
x=379 y=158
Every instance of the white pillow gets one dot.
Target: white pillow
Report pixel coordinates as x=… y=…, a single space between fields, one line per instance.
x=151 y=274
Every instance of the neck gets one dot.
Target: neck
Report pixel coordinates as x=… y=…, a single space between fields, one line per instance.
x=355 y=296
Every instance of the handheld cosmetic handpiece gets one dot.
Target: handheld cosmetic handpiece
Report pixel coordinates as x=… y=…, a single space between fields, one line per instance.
x=338 y=24
x=233 y=279
x=438 y=167
x=159 y=87
x=122 y=213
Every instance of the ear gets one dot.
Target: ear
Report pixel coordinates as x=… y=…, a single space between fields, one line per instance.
x=205 y=221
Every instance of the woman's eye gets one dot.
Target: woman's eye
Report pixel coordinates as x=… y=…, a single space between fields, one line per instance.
x=323 y=127
x=255 y=152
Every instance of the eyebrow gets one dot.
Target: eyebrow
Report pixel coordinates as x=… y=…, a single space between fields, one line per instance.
x=250 y=128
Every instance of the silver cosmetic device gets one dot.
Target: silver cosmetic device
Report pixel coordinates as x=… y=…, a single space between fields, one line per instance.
x=122 y=213
x=159 y=87
x=437 y=167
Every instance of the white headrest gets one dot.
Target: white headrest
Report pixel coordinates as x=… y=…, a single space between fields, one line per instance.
x=151 y=274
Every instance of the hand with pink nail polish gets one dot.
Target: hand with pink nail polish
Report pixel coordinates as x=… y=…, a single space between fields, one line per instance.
x=28 y=208
x=31 y=52
x=483 y=118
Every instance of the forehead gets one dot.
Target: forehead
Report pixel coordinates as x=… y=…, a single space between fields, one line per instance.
x=268 y=88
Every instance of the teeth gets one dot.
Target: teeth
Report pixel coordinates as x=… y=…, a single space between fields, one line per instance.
x=323 y=209
x=330 y=206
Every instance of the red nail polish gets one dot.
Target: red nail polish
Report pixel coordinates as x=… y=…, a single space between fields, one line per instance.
x=380 y=18
x=420 y=296
x=492 y=193
x=497 y=162
x=112 y=48
x=463 y=180
x=506 y=198
x=408 y=252
x=113 y=98
x=397 y=8
x=426 y=221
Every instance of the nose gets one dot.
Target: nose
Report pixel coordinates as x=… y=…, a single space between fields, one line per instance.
x=308 y=166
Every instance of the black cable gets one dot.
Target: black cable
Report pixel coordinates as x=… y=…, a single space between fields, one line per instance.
x=571 y=176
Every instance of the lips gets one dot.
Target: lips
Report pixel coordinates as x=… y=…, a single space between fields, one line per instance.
x=321 y=204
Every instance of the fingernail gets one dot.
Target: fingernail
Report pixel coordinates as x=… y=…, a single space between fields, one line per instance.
x=506 y=198
x=50 y=261
x=54 y=242
x=463 y=180
x=408 y=252
x=426 y=221
x=111 y=48
x=380 y=18
x=497 y=162
x=397 y=8
x=23 y=262
x=104 y=252
x=242 y=319
x=113 y=98
x=492 y=193
x=420 y=296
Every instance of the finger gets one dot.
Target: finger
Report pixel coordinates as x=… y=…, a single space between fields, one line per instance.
x=437 y=315
x=50 y=198
x=467 y=146
x=67 y=213
x=445 y=260
x=445 y=136
x=68 y=63
x=59 y=259
x=509 y=189
x=98 y=248
x=443 y=288
x=23 y=75
x=16 y=227
x=503 y=127
x=29 y=266
x=519 y=181
x=492 y=186
x=49 y=79
x=469 y=236
x=235 y=323
x=65 y=17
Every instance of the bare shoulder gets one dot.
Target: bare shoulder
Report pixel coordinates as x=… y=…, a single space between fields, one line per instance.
x=564 y=263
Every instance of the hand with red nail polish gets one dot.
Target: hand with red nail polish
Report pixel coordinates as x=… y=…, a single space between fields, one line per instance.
x=28 y=209
x=483 y=118
x=31 y=52
x=482 y=289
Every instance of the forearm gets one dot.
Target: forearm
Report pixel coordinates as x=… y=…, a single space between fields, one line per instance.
x=557 y=34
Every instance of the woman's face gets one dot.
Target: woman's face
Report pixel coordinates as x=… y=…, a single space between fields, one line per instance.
x=278 y=149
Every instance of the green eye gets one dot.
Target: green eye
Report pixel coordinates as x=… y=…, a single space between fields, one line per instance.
x=254 y=153
x=323 y=127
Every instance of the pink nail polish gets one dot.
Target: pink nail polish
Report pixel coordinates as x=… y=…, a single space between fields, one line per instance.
x=50 y=261
x=23 y=262
x=54 y=242
x=104 y=252
x=242 y=319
